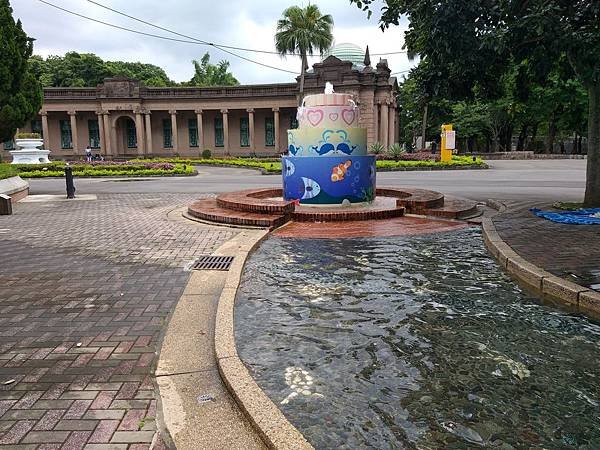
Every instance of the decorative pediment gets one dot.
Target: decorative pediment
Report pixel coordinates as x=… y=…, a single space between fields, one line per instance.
x=119 y=87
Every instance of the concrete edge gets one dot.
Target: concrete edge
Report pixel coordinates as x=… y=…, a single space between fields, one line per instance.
x=16 y=187
x=266 y=418
x=536 y=279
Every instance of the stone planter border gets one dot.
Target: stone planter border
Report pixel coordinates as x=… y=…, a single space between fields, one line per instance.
x=266 y=418
x=16 y=187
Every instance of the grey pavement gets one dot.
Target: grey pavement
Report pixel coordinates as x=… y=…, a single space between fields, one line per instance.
x=86 y=289
x=539 y=180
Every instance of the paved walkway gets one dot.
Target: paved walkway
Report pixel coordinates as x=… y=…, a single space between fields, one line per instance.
x=85 y=289
x=561 y=249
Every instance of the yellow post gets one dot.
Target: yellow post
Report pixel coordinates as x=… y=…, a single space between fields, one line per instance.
x=446 y=153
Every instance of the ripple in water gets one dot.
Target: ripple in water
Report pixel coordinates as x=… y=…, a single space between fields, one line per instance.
x=418 y=342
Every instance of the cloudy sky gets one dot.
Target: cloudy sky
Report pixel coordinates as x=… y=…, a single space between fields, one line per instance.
x=243 y=23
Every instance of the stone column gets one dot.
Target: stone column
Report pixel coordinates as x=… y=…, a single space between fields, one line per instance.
x=376 y=119
x=74 y=139
x=148 y=118
x=225 y=113
x=392 y=125
x=139 y=132
x=276 y=126
x=200 y=129
x=383 y=131
x=100 y=115
x=45 y=129
x=251 y=127
x=108 y=147
x=174 y=143
x=114 y=145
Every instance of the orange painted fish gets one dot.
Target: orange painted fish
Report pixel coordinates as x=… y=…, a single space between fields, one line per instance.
x=339 y=172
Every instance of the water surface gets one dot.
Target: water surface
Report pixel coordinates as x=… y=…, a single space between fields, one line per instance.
x=415 y=342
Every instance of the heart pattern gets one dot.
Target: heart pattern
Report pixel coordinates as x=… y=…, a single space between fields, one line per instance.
x=333 y=116
x=348 y=116
x=315 y=117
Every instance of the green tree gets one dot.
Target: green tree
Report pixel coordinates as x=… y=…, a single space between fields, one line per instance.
x=20 y=92
x=301 y=31
x=148 y=74
x=87 y=69
x=474 y=40
x=207 y=74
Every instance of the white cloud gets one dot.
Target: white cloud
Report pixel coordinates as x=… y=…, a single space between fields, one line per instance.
x=234 y=22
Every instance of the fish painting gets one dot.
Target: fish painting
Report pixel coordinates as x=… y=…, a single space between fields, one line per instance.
x=311 y=188
x=339 y=172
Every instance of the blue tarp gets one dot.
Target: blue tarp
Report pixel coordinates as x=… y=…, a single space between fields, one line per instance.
x=578 y=217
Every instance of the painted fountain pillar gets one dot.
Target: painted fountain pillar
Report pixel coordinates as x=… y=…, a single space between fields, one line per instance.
x=328 y=162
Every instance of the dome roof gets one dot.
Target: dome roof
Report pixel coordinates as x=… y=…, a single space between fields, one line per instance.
x=347 y=52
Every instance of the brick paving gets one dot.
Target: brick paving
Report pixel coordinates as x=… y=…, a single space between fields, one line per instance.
x=85 y=289
x=558 y=248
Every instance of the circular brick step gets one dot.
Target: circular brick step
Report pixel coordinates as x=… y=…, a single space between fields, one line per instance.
x=209 y=210
x=262 y=201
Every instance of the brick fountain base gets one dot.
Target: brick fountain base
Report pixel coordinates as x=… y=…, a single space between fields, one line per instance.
x=265 y=208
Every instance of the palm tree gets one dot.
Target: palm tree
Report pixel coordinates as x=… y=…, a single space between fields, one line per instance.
x=301 y=31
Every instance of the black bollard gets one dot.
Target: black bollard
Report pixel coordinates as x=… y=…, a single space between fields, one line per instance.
x=69 y=180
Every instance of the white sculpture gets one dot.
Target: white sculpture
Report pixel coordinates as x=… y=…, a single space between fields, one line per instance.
x=328 y=88
x=29 y=153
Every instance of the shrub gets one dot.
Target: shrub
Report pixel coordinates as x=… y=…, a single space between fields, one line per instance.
x=29 y=135
x=377 y=148
x=7 y=171
x=396 y=151
x=206 y=154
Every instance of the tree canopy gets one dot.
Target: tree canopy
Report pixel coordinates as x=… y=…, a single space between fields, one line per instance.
x=207 y=74
x=525 y=60
x=20 y=92
x=302 y=31
x=87 y=69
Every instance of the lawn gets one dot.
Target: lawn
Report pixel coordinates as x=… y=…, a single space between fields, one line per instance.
x=7 y=171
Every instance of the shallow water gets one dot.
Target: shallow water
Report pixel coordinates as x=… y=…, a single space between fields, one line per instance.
x=415 y=342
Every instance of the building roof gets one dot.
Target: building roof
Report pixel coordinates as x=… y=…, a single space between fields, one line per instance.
x=347 y=52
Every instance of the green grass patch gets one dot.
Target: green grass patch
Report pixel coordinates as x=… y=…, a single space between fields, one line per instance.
x=456 y=161
x=567 y=206
x=7 y=171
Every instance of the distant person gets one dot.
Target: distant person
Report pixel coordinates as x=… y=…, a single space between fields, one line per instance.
x=433 y=147
x=88 y=154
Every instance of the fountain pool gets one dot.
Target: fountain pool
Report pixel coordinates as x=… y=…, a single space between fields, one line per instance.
x=415 y=342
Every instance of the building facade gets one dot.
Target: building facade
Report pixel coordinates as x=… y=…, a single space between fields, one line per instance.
x=122 y=119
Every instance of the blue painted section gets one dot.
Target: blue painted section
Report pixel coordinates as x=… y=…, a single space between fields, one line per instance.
x=329 y=180
x=589 y=216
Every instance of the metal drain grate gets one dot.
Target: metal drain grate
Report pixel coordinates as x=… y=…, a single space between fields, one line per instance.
x=210 y=262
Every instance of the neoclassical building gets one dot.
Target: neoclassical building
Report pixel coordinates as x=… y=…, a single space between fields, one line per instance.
x=120 y=118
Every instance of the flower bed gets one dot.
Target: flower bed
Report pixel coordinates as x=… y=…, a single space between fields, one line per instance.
x=409 y=161
x=104 y=169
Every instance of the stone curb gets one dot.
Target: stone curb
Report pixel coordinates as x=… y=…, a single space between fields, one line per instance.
x=270 y=423
x=535 y=278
